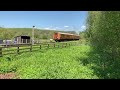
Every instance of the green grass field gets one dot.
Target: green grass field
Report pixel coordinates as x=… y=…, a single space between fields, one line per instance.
x=57 y=63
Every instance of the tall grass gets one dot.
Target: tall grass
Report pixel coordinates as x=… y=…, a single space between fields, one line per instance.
x=65 y=63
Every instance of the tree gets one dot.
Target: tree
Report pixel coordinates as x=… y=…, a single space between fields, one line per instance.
x=103 y=31
x=44 y=36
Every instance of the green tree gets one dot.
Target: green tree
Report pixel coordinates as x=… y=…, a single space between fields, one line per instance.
x=103 y=31
x=44 y=36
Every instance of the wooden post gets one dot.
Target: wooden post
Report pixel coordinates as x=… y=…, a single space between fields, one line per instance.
x=48 y=45
x=0 y=52
x=66 y=44
x=31 y=48
x=40 y=46
x=17 y=49
x=54 y=44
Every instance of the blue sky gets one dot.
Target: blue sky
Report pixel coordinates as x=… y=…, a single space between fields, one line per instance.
x=57 y=20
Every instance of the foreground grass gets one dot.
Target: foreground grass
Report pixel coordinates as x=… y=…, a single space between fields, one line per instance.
x=65 y=63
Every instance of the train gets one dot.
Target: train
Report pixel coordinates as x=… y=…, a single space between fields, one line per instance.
x=59 y=36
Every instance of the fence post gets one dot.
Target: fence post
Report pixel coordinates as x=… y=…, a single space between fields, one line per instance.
x=31 y=48
x=40 y=46
x=18 y=49
x=48 y=45
x=69 y=44
x=1 y=52
x=54 y=44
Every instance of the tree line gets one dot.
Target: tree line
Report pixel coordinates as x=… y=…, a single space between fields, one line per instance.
x=10 y=33
x=103 y=33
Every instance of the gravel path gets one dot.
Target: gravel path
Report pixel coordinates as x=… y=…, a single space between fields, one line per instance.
x=8 y=76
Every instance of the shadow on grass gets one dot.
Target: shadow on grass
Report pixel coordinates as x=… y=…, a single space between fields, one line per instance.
x=102 y=64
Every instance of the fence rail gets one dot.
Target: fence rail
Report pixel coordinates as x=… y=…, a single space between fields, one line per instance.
x=16 y=48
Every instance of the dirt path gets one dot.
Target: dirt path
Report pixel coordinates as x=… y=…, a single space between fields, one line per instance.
x=8 y=76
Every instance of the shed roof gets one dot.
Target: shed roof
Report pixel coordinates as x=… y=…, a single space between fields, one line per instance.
x=23 y=35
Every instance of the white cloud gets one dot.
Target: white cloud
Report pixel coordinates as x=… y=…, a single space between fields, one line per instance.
x=83 y=27
x=47 y=28
x=53 y=29
x=66 y=26
x=50 y=28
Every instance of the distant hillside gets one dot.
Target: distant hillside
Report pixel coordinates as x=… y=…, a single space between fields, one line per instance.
x=10 y=33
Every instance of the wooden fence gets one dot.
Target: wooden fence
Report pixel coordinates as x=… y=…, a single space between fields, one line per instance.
x=16 y=48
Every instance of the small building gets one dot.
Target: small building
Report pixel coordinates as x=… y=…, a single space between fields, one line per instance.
x=22 y=39
x=1 y=41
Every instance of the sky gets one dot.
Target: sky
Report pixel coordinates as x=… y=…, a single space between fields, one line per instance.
x=55 y=20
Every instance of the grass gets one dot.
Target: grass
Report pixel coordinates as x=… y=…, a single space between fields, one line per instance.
x=57 y=63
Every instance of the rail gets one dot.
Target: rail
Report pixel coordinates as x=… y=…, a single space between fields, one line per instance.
x=16 y=48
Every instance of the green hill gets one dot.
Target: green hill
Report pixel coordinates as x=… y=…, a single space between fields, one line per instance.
x=10 y=33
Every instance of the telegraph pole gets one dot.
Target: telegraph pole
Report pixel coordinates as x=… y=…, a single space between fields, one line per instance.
x=33 y=35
